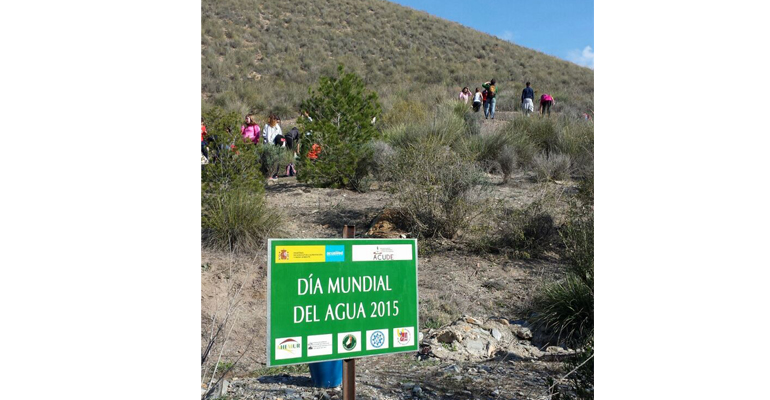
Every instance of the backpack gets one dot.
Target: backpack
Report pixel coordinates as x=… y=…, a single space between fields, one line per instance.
x=491 y=92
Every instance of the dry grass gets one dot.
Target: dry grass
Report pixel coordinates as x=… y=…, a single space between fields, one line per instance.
x=405 y=55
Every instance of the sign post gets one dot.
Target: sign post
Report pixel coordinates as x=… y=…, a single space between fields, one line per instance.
x=340 y=299
x=349 y=365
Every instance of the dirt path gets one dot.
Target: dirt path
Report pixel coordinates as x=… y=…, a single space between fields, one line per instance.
x=453 y=282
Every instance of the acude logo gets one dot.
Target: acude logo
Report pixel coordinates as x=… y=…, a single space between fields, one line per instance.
x=382 y=254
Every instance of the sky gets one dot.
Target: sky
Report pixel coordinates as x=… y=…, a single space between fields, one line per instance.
x=564 y=29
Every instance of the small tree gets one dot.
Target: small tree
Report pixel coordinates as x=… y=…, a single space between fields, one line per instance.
x=342 y=110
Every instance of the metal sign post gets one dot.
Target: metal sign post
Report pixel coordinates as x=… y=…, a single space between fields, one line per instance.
x=349 y=365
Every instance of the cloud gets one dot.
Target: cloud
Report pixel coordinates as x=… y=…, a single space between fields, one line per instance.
x=583 y=57
x=507 y=35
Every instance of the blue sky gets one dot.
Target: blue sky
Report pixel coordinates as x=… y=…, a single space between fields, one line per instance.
x=560 y=28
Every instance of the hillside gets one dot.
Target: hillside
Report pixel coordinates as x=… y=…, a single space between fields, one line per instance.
x=262 y=56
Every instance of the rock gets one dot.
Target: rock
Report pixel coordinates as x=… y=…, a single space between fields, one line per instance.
x=493 y=284
x=495 y=392
x=220 y=390
x=496 y=334
x=325 y=396
x=452 y=369
x=407 y=386
x=417 y=391
x=475 y=347
x=472 y=320
x=447 y=337
x=521 y=332
x=420 y=336
x=555 y=349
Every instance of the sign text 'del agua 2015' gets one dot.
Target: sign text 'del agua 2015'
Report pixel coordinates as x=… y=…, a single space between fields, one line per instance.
x=333 y=299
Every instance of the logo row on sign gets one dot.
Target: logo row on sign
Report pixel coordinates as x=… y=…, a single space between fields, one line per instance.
x=336 y=253
x=348 y=342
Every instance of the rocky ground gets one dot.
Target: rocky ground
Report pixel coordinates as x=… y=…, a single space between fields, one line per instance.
x=475 y=344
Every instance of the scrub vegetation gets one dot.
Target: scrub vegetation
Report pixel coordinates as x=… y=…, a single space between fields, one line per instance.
x=261 y=56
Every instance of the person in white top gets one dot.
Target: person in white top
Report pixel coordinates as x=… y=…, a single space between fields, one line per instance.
x=477 y=100
x=273 y=131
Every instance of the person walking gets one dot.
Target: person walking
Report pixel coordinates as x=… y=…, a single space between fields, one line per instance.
x=527 y=100
x=477 y=99
x=489 y=104
x=250 y=129
x=546 y=101
x=465 y=94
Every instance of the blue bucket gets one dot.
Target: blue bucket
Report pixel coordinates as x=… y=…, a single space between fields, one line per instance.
x=326 y=374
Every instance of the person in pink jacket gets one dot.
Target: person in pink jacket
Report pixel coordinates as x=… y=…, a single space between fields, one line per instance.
x=546 y=101
x=250 y=129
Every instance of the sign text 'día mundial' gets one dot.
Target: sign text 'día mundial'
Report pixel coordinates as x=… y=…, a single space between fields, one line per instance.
x=331 y=299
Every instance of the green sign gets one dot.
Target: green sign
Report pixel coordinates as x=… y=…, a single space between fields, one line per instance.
x=333 y=299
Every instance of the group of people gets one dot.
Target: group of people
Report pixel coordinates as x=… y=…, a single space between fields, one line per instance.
x=270 y=134
x=488 y=98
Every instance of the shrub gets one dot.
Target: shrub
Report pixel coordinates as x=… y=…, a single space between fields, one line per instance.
x=578 y=237
x=523 y=233
x=383 y=156
x=342 y=109
x=237 y=220
x=551 y=167
x=438 y=190
x=506 y=158
x=443 y=127
x=576 y=139
x=485 y=148
x=566 y=308
x=405 y=112
x=273 y=158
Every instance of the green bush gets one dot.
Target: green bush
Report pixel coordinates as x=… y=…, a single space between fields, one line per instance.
x=342 y=110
